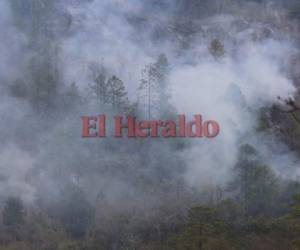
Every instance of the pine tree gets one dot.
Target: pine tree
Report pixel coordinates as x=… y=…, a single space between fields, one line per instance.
x=34 y=19
x=13 y=212
x=255 y=184
x=162 y=73
x=154 y=89
x=72 y=96
x=97 y=90
x=75 y=212
x=216 y=48
x=43 y=87
x=117 y=95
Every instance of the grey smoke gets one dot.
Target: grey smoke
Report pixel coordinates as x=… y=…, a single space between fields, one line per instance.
x=124 y=36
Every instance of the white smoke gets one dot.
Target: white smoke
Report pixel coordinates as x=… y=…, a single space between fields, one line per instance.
x=229 y=90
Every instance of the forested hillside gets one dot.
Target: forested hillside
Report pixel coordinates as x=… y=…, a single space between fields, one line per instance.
x=234 y=61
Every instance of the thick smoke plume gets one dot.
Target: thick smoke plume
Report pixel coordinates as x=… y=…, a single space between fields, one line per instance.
x=226 y=67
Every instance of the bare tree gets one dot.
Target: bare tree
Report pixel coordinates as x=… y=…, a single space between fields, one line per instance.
x=148 y=90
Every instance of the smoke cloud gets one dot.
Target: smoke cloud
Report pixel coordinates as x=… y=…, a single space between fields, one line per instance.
x=40 y=154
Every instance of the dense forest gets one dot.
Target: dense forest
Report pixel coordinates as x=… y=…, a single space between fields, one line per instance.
x=237 y=61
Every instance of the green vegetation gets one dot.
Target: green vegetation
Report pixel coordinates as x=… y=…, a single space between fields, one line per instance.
x=133 y=194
